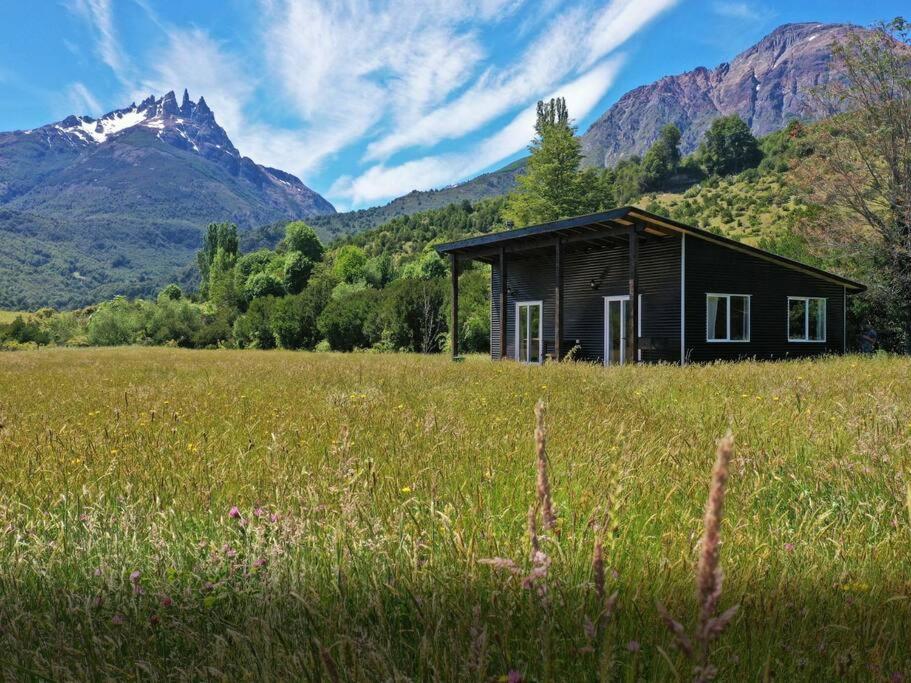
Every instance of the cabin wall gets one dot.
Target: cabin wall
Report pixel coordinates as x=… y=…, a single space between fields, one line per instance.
x=714 y=268
x=531 y=276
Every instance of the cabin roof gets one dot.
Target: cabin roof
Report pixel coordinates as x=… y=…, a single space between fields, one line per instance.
x=611 y=224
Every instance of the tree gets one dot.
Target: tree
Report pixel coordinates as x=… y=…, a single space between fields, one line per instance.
x=413 y=314
x=729 y=147
x=301 y=237
x=254 y=328
x=294 y=319
x=263 y=284
x=298 y=269
x=222 y=289
x=350 y=264
x=428 y=266
x=219 y=236
x=351 y=322
x=662 y=159
x=864 y=161
x=172 y=292
x=550 y=188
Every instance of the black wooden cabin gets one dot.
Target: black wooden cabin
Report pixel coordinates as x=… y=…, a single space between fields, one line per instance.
x=566 y=286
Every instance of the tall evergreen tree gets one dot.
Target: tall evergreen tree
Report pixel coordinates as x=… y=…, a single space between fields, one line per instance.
x=218 y=236
x=551 y=186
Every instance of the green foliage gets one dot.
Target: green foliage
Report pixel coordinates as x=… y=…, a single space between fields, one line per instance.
x=351 y=322
x=172 y=321
x=474 y=311
x=662 y=159
x=254 y=328
x=25 y=331
x=219 y=237
x=551 y=187
x=116 y=323
x=294 y=318
x=302 y=238
x=172 y=292
x=261 y=285
x=413 y=315
x=729 y=147
x=428 y=266
x=349 y=264
x=222 y=288
x=297 y=271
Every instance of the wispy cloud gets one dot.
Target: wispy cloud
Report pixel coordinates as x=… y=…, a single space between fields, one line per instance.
x=574 y=39
x=381 y=181
x=737 y=10
x=82 y=101
x=100 y=16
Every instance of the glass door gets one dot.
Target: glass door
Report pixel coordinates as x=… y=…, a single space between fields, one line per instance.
x=615 y=329
x=529 y=332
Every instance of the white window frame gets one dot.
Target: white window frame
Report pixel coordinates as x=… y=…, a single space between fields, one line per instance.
x=727 y=298
x=624 y=310
x=806 y=320
x=540 y=305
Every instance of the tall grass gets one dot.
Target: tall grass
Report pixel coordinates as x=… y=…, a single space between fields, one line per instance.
x=260 y=515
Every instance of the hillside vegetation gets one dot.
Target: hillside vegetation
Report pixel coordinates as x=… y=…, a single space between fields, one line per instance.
x=318 y=516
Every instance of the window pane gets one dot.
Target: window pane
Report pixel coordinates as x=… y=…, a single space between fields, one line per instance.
x=522 y=351
x=615 y=313
x=534 y=350
x=717 y=318
x=796 y=318
x=817 y=315
x=740 y=318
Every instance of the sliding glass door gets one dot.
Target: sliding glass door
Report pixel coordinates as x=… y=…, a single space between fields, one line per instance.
x=529 y=332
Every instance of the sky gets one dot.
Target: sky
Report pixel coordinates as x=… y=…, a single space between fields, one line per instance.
x=366 y=101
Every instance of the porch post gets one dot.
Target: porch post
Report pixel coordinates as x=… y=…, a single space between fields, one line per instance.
x=454 y=320
x=503 y=295
x=558 y=301
x=632 y=309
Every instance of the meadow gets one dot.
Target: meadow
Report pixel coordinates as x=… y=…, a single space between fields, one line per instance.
x=238 y=515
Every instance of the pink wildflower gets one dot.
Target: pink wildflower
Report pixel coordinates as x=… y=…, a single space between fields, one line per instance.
x=117 y=619
x=234 y=512
x=166 y=601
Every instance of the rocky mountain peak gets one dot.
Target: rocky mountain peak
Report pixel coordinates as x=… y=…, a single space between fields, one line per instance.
x=767 y=85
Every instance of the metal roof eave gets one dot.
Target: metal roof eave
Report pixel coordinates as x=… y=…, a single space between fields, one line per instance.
x=465 y=246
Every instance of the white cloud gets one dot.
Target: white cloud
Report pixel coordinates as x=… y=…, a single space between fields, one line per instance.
x=100 y=16
x=82 y=101
x=381 y=181
x=737 y=10
x=574 y=40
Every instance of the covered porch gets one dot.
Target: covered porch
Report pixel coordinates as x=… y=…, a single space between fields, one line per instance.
x=570 y=283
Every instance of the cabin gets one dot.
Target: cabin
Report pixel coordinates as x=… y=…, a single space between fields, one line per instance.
x=580 y=286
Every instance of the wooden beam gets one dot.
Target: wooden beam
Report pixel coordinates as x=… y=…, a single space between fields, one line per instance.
x=454 y=320
x=503 y=295
x=558 y=301
x=632 y=308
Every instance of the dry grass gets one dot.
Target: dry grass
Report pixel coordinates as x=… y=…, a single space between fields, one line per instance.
x=369 y=488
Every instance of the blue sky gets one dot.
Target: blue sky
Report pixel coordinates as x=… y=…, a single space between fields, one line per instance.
x=365 y=101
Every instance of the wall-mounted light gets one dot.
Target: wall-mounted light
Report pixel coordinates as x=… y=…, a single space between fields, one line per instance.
x=510 y=291
x=594 y=284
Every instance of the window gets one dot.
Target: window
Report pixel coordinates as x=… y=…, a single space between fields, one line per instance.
x=727 y=317
x=806 y=319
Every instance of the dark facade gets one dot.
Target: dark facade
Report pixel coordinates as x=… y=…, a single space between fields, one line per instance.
x=570 y=276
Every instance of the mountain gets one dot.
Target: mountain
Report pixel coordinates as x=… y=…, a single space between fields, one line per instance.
x=491 y=184
x=90 y=208
x=767 y=85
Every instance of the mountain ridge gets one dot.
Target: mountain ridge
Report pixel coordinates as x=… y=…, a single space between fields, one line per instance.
x=91 y=208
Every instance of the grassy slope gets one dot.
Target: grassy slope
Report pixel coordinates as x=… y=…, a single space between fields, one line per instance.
x=393 y=476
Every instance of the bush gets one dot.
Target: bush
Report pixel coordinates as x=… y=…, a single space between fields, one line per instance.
x=413 y=315
x=116 y=323
x=262 y=285
x=294 y=319
x=254 y=328
x=351 y=322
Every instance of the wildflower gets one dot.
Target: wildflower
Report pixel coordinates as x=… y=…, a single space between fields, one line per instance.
x=134 y=579
x=154 y=620
x=259 y=512
x=166 y=601
x=234 y=512
x=273 y=518
x=633 y=646
x=789 y=547
x=118 y=619
x=406 y=489
x=260 y=562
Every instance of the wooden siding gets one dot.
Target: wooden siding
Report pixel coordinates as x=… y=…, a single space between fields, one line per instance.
x=531 y=276
x=715 y=268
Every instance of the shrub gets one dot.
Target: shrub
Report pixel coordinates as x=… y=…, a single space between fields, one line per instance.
x=254 y=328
x=351 y=322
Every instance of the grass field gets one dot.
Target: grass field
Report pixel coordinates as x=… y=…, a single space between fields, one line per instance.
x=260 y=515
